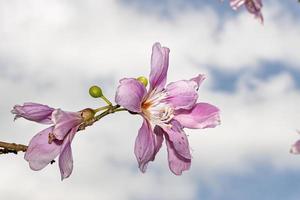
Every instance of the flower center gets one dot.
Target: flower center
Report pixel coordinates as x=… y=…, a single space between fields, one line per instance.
x=157 y=110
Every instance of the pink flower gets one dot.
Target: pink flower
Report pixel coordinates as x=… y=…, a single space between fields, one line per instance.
x=253 y=6
x=295 y=149
x=166 y=110
x=53 y=141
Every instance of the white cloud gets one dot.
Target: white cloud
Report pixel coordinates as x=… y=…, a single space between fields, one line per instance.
x=51 y=52
x=250 y=43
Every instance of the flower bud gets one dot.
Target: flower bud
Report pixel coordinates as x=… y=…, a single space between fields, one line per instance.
x=143 y=80
x=87 y=114
x=95 y=91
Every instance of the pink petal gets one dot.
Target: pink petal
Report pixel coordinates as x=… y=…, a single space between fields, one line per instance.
x=158 y=138
x=64 y=122
x=66 y=158
x=159 y=67
x=295 y=149
x=146 y=145
x=40 y=153
x=177 y=163
x=202 y=115
x=130 y=94
x=179 y=140
x=198 y=79
x=254 y=7
x=34 y=112
x=235 y=4
x=183 y=94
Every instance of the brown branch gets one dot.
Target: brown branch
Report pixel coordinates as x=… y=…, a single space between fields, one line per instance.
x=6 y=148
x=11 y=148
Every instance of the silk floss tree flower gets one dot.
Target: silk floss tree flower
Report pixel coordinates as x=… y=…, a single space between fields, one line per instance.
x=253 y=6
x=295 y=149
x=166 y=111
x=55 y=140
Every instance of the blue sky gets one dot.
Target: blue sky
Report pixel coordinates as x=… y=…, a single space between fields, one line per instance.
x=262 y=183
x=227 y=81
x=51 y=53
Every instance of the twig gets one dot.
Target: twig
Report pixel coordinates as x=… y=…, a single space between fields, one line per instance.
x=11 y=148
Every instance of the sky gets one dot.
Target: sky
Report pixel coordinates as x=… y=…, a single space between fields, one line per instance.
x=51 y=52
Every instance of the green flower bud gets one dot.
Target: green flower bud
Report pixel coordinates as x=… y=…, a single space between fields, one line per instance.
x=95 y=91
x=143 y=80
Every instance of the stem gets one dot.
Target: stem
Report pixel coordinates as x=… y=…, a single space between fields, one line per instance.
x=106 y=100
x=112 y=109
x=102 y=108
x=15 y=148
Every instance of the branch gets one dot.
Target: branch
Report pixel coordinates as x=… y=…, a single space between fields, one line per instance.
x=110 y=110
x=6 y=148
x=11 y=148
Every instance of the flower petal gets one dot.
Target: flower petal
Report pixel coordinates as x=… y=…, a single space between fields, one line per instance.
x=146 y=145
x=177 y=163
x=235 y=4
x=295 y=149
x=66 y=158
x=40 y=153
x=202 y=115
x=254 y=7
x=159 y=132
x=179 y=139
x=198 y=79
x=34 y=112
x=64 y=122
x=130 y=94
x=183 y=94
x=159 y=67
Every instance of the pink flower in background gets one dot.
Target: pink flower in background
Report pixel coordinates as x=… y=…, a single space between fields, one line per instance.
x=53 y=141
x=295 y=149
x=34 y=112
x=166 y=110
x=253 y=6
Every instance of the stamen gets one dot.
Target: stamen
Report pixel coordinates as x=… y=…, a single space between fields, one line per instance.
x=156 y=110
x=51 y=137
